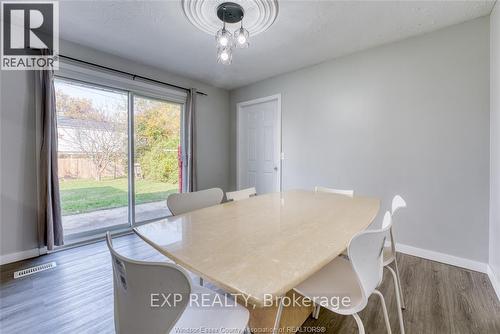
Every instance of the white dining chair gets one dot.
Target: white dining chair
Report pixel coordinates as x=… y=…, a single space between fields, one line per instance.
x=390 y=251
x=180 y=203
x=140 y=288
x=357 y=277
x=345 y=192
x=241 y=194
x=349 y=193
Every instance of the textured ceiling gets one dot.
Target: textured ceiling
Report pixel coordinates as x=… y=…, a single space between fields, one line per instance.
x=306 y=32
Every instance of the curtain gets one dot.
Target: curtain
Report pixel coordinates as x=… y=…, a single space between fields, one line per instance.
x=50 y=230
x=190 y=141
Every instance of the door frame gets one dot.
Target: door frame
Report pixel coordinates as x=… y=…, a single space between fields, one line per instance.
x=98 y=78
x=239 y=107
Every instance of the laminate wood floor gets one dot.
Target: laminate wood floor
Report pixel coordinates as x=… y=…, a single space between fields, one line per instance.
x=77 y=297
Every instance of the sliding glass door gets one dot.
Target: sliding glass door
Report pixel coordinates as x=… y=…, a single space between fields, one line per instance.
x=92 y=156
x=156 y=156
x=118 y=157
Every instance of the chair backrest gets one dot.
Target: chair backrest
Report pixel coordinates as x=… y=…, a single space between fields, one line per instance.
x=135 y=285
x=241 y=194
x=349 y=193
x=365 y=252
x=184 y=202
x=397 y=203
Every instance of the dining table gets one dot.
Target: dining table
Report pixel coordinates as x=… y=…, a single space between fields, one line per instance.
x=263 y=246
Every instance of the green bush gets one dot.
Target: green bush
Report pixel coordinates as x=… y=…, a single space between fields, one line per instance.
x=159 y=164
x=157 y=127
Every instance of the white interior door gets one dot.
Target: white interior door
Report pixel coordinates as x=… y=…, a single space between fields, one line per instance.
x=259 y=144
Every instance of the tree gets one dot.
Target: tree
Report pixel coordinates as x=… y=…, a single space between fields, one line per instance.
x=101 y=133
x=95 y=131
x=157 y=139
x=70 y=106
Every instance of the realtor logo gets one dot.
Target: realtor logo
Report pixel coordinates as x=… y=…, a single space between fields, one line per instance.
x=30 y=35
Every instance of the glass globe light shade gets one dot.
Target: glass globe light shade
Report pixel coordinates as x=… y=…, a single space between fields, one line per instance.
x=241 y=37
x=224 y=55
x=223 y=38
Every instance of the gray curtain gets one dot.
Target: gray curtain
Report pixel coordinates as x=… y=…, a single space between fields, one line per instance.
x=190 y=141
x=50 y=230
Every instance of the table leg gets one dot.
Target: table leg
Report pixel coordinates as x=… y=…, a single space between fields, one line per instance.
x=292 y=317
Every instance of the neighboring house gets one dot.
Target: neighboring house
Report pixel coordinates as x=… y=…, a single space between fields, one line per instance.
x=91 y=149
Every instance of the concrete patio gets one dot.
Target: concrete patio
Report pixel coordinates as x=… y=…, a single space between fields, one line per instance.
x=84 y=222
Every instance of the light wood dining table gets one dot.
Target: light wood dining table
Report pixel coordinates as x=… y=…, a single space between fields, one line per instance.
x=265 y=245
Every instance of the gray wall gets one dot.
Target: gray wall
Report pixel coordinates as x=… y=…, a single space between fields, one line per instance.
x=18 y=231
x=494 y=260
x=411 y=118
x=17 y=141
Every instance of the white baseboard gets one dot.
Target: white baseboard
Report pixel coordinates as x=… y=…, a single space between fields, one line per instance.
x=442 y=257
x=14 y=257
x=454 y=261
x=495 y=281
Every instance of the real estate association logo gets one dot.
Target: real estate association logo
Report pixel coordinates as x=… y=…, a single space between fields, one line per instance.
x=30 y=35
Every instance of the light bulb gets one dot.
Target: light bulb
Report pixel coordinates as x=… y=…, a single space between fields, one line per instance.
x=224 y=55
x=223 y=38
x=241 y=36
x=242 y=39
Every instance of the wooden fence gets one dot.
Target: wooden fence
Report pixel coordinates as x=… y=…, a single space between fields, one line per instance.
x=72 y=166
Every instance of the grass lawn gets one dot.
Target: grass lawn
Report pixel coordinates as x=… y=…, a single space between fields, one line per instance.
x=80 y=196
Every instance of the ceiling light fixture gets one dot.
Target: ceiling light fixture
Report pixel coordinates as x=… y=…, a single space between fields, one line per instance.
x=241 y=36
x=238 y=23
x=230 y=12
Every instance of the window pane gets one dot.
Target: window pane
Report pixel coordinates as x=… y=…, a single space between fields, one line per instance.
x=156 y=166
x=92 y=156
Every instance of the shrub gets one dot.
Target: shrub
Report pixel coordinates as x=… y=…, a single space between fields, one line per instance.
x=157 y=126
x=159 y=164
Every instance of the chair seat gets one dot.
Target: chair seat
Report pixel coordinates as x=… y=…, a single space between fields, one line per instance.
x=336 y=279
x=388 y=255
x=209 y=315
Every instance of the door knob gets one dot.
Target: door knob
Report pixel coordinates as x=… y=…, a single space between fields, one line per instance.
x=275 y=168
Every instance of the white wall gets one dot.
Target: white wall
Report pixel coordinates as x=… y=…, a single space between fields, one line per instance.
x=411 y=118
x=494 y=259
x=18 y=231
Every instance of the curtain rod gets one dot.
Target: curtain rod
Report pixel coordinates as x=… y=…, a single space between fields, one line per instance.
x=134 y=76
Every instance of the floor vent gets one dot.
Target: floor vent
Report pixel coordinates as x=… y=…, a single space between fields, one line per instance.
x=34 y=270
